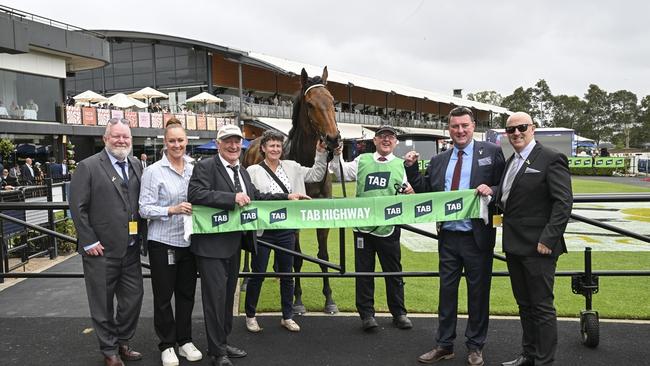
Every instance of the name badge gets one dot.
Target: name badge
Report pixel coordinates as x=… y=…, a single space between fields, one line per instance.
x=360 y=242
x=133 y=227
x=497 y=220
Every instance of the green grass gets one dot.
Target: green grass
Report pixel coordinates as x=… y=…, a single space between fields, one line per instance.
x=619 y=297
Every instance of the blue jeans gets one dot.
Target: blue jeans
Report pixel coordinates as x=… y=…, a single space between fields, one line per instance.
x=259 y=263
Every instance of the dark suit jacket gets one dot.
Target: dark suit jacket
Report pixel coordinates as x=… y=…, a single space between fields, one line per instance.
x=211 y=186
x=26 y=175
x=99 y=206
x=487 y=168
x=539 y=204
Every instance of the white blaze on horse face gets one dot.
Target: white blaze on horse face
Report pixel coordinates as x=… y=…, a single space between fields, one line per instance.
x=230 y=149
x=272 y=150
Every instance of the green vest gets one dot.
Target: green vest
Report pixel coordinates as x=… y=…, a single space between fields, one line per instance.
x=378 y=179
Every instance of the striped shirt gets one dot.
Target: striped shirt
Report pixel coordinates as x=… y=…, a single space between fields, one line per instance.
x=163 y=187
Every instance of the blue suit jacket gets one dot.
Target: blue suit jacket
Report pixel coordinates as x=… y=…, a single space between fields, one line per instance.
x=487 y=167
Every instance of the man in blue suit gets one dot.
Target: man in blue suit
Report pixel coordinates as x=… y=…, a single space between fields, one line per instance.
x=463 y=244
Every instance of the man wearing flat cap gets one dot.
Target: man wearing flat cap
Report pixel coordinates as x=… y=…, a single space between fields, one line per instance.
x=220 y=183
x=378 y=174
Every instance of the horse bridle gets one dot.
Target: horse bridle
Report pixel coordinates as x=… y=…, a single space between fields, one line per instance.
x=321 y=136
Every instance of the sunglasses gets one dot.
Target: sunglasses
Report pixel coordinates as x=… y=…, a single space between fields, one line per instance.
x=522 y=128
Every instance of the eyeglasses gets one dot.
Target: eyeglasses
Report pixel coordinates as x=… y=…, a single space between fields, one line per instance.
x=387 y=136
x=522 y=128
x=114 y=121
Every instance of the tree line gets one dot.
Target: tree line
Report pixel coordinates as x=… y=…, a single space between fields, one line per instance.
x=617 y=117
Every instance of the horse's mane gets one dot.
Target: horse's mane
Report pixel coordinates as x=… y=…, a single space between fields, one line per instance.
x=295 y=118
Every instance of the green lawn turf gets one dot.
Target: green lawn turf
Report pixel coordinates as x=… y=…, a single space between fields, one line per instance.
x=619 y=297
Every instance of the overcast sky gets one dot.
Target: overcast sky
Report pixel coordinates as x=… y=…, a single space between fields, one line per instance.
x=433 y=45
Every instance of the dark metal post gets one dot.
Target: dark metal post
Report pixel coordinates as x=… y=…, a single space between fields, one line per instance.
x=588 y=279
x=50 y=221
x=3 y=254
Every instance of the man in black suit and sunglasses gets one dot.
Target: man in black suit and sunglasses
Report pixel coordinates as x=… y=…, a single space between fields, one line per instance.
x=536 y=199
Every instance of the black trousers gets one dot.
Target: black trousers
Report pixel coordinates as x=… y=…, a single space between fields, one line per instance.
x=108 y=279
x=458 y=251
x=532 y=280
x=388 y=250
x=179 y=280
x=218 y=285
x=259 y=263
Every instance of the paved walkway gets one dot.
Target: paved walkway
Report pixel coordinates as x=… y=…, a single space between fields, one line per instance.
x=45 y=322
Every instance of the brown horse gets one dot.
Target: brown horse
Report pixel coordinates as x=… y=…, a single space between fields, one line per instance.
x=313 y=120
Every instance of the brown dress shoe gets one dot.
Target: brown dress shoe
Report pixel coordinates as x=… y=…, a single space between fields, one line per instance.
x=129 y=354
x=113 y=360
x=436 y=354
x=475 y=358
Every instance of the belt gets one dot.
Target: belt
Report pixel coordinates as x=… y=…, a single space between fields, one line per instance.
x=459 y=233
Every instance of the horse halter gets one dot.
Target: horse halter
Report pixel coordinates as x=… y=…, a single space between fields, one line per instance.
x=322 y=137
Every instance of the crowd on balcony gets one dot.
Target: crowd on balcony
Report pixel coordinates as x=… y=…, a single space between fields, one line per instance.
x=18 y=111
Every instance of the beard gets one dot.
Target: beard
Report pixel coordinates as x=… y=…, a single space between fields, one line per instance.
x=118 y=151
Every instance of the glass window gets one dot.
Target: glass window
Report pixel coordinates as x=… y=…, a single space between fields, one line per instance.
x=181 y=51
x=122 y=56
x=142 y=66
x=108 y=70
x=142 y=80
x=84 y=84
x=98 y=85
x=121 y=46
x=26 y=96
x=123 y=68
x=142 y=53
x=165 y=64
x=166 y=77
x=164 y=51
x=109 y=83
x=183 y=62
x=123 y=82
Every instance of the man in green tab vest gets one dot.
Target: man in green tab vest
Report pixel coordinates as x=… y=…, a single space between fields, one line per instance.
x=379 y=174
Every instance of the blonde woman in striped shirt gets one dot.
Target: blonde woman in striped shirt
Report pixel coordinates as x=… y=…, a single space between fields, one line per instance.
x=163 y=200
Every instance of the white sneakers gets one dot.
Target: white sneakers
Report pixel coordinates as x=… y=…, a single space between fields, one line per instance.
x=190 y=352
x=291 y=325
x=169 y=358
x=252 y=326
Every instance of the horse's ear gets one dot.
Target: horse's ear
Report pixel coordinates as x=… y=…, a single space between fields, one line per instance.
x=304 y=77
x=324 y=77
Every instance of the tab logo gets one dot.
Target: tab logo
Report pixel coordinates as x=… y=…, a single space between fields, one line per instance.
x=219 y=218
x=378 y=180
x=248 y=216
x=423 y=208
x=278 y=215
x=393 y=211
x=453 y=206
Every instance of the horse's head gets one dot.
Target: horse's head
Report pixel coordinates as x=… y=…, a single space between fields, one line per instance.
x=319 y=106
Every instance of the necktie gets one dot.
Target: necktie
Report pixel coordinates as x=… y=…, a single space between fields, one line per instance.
x=125 y=177
x=381 y=158
x=455 y=179
x=235 y=169
x=510 y=177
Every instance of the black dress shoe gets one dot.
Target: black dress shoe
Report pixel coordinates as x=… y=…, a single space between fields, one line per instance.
x=129 y=354
x=402 y=322
x=369 y=324
x=234 y=352
x=436 y=354
x=221 y=361
x=522 y=360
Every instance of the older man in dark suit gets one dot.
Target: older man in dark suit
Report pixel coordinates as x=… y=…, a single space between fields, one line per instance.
x=463 y=244
x=104 y=202
x=219 y=182
x=536 y=198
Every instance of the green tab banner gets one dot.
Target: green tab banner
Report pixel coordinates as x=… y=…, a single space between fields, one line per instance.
x=580 y=162
x=609 y=162
x=336 y=213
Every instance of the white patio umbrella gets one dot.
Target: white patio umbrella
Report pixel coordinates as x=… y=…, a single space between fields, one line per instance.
x=148 y=93
x=122 y=100
x=89 y=96
x=204 y=98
